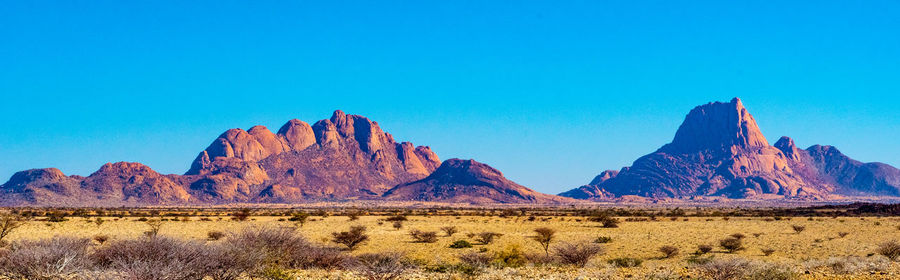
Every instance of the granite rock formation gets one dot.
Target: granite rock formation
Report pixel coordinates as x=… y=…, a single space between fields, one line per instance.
x=720 y=151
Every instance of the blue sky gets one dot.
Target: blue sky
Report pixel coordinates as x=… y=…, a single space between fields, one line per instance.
x=550 y=93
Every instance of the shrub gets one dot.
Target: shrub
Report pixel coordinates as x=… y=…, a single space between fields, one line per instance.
x=544 y=236
x=603 y=240
x=458 y=244
x=55 y=258
x=512 y=256
x=397 y=225
x=737 y=268
x=380 y=266
x=449 y=230
x=423 y=236
x=486 y=237
x=703 y=249
x=731 y=244
x=842 y=234
x=153 y=258
x=577 y=254
x=299 y=218
x=889 y=249
x=798 y=228
x=351 y=239
x=738 y=235
x=280 y=247
x=242 y=215
x=625 y=262
x=768 y=251
x=605 y=220
x=396 y=218
x=668 y=251
x=101 y=238
x=353 y=216
x=215 y=235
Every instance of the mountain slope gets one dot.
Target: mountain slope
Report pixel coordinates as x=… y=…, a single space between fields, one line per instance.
x=468 y=181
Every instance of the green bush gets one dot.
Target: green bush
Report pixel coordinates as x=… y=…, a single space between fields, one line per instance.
x=459 y=244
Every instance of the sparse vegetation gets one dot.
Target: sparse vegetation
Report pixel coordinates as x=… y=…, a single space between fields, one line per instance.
x=281 y=250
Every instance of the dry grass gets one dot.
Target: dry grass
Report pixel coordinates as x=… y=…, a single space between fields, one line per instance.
x=638 y=240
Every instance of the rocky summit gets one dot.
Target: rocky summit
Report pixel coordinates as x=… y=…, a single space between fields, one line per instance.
x=720 y=151
x=345 y=157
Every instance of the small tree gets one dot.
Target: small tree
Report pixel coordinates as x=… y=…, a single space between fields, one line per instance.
x=449 y=230
x=8 y=223
x=155 y=225
x=398 y=225
x=351 y=239
x=544 y=236
x=299 y=218
x=242 y=215
x=731 y=244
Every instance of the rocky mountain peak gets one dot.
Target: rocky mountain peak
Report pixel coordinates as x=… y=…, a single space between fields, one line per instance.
x=717 y=126
x=786 y=145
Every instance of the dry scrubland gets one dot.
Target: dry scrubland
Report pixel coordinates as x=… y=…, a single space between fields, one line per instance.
x=819 y=248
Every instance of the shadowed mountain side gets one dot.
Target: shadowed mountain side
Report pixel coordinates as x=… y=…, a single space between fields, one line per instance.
x=469 y=181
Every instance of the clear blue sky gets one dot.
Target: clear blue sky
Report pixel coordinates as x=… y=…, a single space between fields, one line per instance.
x=549 y=92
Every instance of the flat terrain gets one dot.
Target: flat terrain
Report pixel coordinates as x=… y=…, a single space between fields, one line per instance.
x=807 y=252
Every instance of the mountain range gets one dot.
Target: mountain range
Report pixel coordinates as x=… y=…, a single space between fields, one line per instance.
x=718 y=151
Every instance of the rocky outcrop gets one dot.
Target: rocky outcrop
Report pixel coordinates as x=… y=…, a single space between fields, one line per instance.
x=468 y=181
x=720 y=151
x=343 y=157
